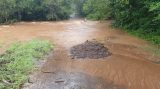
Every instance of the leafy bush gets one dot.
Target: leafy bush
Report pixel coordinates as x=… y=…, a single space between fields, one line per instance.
x=97 y=9
x=19 y=60
x=139 y=17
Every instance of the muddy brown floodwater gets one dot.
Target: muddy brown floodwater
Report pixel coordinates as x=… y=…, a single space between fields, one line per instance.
x=127 y=68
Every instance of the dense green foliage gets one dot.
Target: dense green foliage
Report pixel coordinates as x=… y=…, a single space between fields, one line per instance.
x=19 y=60
x=138 y=17
x=97 y=9
x=79 y=7
x=17 y=10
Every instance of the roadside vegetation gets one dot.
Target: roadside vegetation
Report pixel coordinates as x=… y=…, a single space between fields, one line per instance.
x=154 y=50
x=137 y=17
x=0 y=45
x=29 y=10
x=19 y=60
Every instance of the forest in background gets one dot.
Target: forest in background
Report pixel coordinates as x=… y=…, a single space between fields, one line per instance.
x=28 y=10
x=138 y=17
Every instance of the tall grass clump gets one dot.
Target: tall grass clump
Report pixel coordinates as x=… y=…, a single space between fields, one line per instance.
x=19 y=60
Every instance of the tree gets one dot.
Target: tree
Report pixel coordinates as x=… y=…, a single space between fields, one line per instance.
x=27 y=10
x=97 y=9
x=7 y=9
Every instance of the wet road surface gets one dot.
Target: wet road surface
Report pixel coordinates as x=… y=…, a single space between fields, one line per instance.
x=128 y=67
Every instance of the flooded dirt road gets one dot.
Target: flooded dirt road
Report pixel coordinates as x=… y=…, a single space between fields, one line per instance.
x=127 y=68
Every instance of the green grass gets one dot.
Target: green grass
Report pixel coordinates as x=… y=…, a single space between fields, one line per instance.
x=155 y=51
x=154 y=39
x=19 y=60
x=1 y=45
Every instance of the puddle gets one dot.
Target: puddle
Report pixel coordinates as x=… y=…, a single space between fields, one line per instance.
x=73 y=80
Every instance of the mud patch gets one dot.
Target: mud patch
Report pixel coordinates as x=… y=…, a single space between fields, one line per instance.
x=89 y=49
x=72 y=80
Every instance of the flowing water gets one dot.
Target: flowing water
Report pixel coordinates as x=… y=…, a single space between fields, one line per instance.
x=127 y=68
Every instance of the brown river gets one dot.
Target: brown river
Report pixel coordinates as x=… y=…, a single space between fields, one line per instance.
x=129 y=66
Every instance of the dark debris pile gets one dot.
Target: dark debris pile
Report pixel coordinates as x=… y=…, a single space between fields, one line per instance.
x=89 y=49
